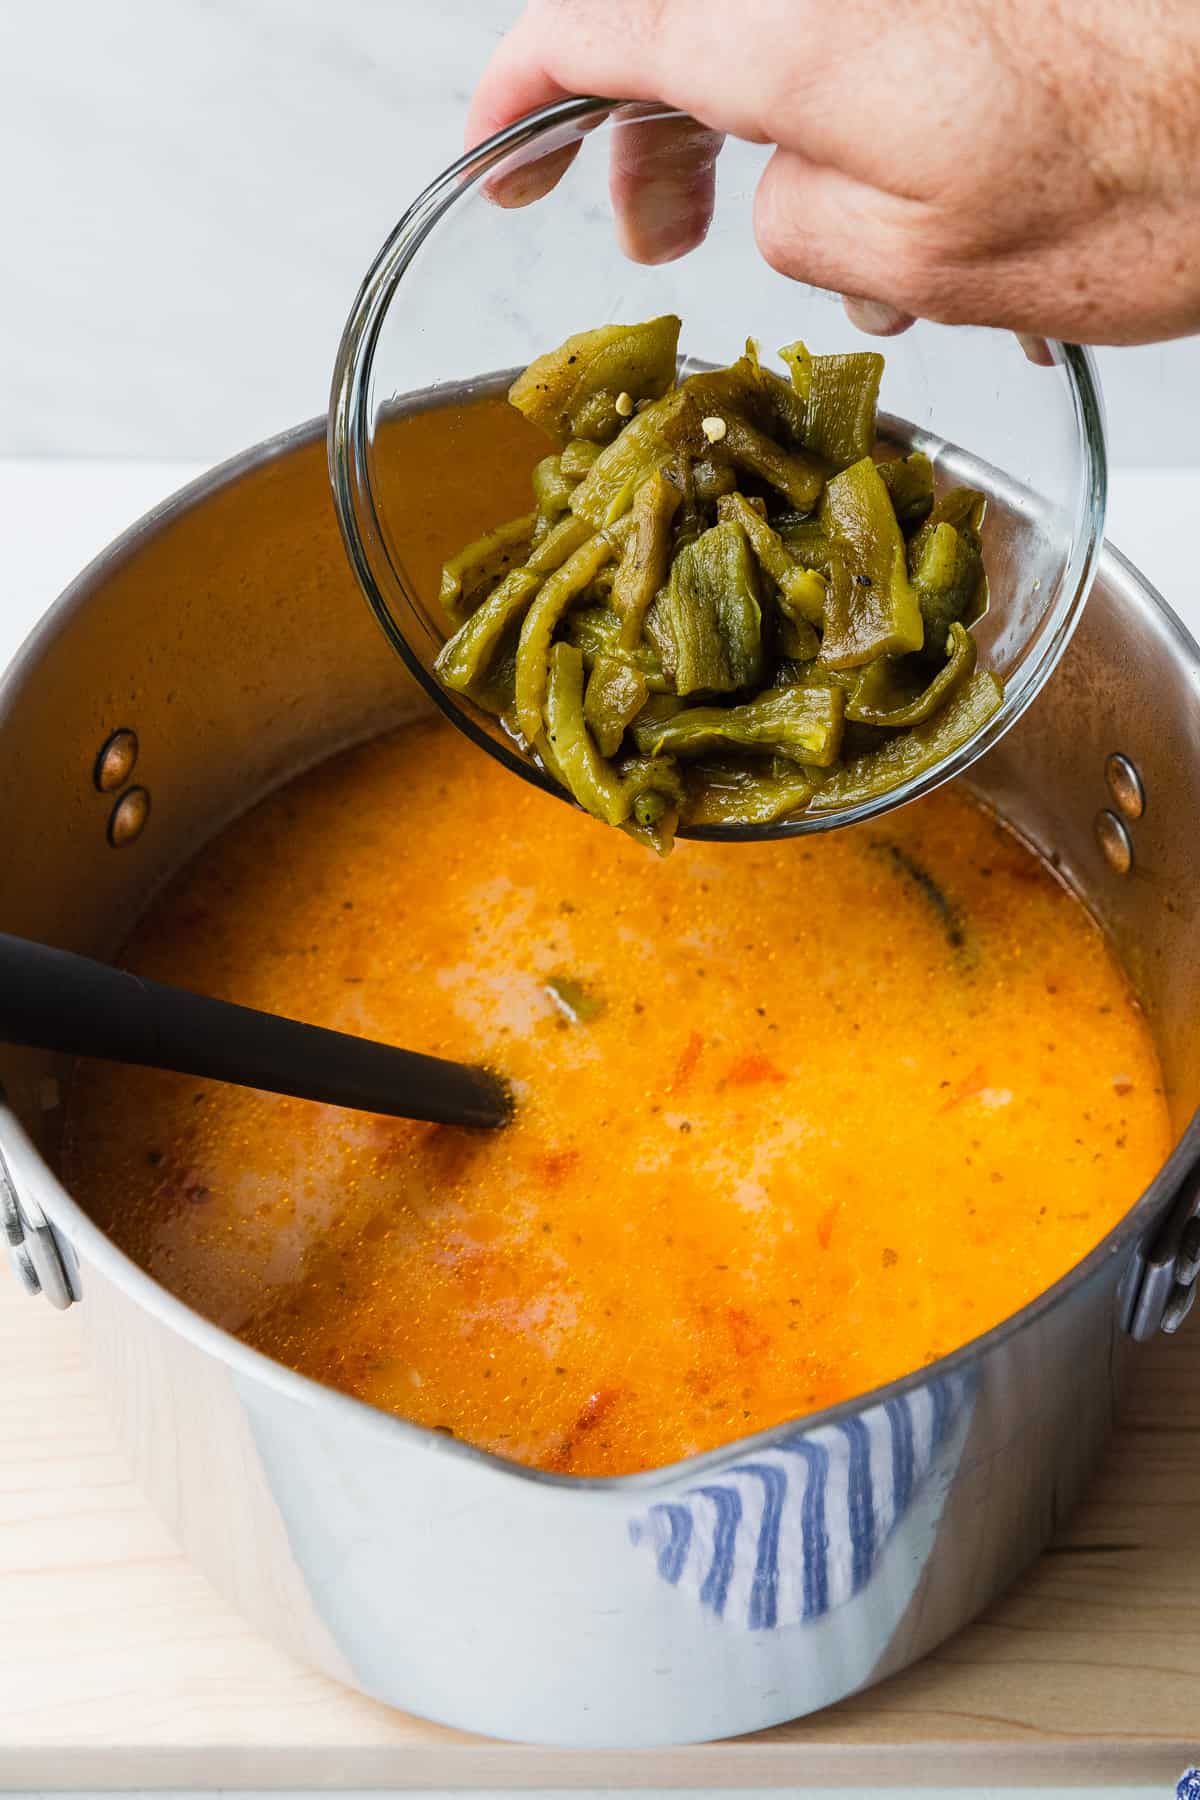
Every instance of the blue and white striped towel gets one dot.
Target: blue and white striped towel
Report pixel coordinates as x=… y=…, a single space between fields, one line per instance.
x=754 y=1544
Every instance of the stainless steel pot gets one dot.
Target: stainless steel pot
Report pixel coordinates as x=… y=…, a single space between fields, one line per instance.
x=730 y=1592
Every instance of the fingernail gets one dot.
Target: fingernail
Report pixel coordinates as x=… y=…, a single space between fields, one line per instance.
x=876 y=317
x=659 y=221
x=1036 y=349
x=525 y=184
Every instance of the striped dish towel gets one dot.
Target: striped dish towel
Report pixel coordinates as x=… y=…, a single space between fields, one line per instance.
x=797 y=1529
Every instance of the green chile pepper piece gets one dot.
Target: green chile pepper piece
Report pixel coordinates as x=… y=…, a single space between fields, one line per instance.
x=803 y=723
x=793 y=473
x=571 y=392
x=644 y=775
x=548 y=606
x=839 y=419
x=892 y=692
x=909 y=481
x=946 y=560
x=802 y=591
x=615 y=694
x=560 y=542
x=596 y=630
x=646 y=556
x=795 y=641
x=483 y=563
x=807 y=541
x=551 y=488
x=799 y=360
x=462 y=662
x=731 y=793
x=712 y=480
x=783 y=405
x=572 y=755
x=578 y=458
x=912 y=752
x=608 y=488
x=707 y=621
x=657 y=796
x=875 y=612
x=962 y=507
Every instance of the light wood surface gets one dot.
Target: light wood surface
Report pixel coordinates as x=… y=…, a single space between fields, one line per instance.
x=120 y=1668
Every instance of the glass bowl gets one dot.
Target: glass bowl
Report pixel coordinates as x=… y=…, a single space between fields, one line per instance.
x=466 y=291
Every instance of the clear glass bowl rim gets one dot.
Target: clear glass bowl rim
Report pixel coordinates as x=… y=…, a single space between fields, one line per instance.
x=348 y=447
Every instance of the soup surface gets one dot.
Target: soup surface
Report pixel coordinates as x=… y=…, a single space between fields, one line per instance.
x=793 y=1118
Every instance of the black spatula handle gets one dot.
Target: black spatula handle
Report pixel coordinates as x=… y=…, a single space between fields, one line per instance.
x=53 y=1000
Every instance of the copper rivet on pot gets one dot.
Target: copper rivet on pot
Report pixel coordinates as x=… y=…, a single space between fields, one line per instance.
x=1125 y=785
x=128 y=817
x=114 y=763
x=1115 y=842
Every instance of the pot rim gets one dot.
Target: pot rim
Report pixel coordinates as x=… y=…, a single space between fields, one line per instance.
x=96 y=1249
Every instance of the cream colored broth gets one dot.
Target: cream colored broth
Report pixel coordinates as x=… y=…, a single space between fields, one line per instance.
x=846 y=1103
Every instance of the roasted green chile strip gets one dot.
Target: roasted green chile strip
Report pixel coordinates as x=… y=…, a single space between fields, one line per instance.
x=588 y=775
x=463 y=660
x=573 y=392
x=801 y=591
x=709 y=617
x=597 y=632
x=798 y=358
x=484 y=562
x=909 y=481
x=795 y=641
x=561 y=541
x=875 y=612
x=578 y=457
x=795 y=475
x=912 y=752
x=803 y=723
x=646 y=557
x=785 y=408
x=551 y=488
x=615 y=694
x=545 y=612
x=608 y=488
x=897 y=691
x=645 y=790
x=946 y=561
x=712 y=480
x=730 y=793
x=658 y=794
x=839 y=417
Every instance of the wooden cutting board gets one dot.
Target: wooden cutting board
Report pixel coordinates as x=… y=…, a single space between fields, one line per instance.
x=119 y=1666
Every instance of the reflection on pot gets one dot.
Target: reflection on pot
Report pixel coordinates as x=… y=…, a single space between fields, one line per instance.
x=798 y=1530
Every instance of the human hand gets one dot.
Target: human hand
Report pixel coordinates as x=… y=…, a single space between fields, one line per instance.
x=1004 y=162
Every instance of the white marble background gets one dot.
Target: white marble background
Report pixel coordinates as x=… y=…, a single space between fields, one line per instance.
x=192 y=189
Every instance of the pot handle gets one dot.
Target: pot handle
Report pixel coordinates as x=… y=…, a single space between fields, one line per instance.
x=43 y=1262
x=1170 y=1268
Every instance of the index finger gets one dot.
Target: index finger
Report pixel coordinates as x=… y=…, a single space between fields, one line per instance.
x=513 y=84
x=661 y=178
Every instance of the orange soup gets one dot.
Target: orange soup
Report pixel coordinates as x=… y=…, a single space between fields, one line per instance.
x=792 y=1119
